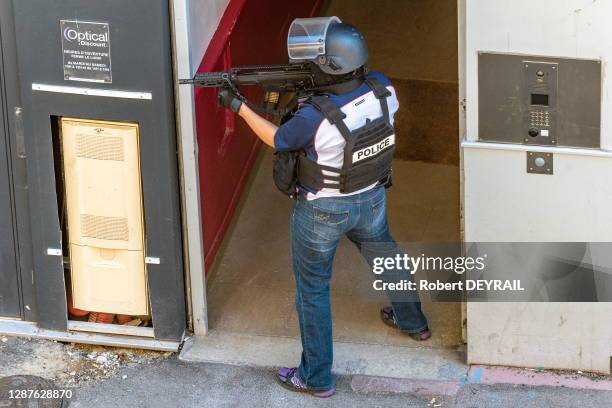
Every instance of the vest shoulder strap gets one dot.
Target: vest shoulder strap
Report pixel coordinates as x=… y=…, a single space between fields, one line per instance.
x=381 y=93
x=332 y=113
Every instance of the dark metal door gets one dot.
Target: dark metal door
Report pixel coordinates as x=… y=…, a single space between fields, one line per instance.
x=9 y=274
x=141 y=91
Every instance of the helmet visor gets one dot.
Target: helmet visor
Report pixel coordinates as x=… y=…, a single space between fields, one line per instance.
x=306 y=38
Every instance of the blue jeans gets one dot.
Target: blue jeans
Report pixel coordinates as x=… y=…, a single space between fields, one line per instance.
x=316 y=229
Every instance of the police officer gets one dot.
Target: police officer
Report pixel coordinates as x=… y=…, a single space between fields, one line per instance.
x=345 y=139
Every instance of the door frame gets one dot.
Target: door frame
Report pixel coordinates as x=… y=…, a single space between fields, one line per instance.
x=191 y=216
x=462 y=106
x=15 y=160
x=185 y=67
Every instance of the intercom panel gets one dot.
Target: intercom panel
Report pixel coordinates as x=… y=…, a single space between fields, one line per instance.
x=534 y=100
x=540 y=102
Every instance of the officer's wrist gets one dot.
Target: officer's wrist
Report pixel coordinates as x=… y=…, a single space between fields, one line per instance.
x=236 y=105
x=241 y=110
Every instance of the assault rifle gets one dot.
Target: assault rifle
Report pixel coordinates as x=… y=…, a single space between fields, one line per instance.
x=301 y=80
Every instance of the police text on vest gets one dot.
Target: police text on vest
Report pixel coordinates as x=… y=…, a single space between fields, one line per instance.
x=374 y=149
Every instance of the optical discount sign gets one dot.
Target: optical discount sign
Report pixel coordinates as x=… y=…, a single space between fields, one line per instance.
x=86 y=51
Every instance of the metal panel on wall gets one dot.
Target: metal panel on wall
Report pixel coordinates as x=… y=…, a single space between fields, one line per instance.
x=94 y=60
x=539 y=100
x=9 y=282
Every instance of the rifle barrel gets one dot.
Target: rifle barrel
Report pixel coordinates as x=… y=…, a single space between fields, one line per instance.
x=289 y=76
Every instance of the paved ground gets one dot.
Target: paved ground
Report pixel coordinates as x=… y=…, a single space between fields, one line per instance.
x=176 y=384
x=508 y=396
x=114 y=378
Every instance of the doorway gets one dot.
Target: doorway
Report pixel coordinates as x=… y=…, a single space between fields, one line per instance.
x=250 y=285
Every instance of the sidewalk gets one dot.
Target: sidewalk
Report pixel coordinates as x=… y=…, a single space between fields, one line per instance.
x=117 y=378
x=177 y=384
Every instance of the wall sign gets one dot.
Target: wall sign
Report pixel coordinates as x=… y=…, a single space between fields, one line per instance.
x=86 y=51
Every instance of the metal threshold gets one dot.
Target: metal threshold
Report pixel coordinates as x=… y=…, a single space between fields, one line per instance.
x=28 y=329
x=120 y=329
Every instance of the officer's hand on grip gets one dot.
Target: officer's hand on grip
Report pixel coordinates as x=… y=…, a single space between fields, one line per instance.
x=229 y=100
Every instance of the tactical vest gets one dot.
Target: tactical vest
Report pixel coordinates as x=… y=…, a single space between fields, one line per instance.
x=368 y=152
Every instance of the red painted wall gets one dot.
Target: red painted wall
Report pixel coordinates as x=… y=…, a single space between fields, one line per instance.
x=250 y=32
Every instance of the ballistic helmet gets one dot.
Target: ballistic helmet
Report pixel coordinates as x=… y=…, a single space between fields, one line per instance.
x=337 y=48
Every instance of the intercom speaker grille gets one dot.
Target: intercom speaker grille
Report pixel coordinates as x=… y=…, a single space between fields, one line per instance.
x=99 y=147
x=110 y=228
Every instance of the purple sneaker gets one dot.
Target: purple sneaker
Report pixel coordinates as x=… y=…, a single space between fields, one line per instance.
x=290 y=379
x=388 y=318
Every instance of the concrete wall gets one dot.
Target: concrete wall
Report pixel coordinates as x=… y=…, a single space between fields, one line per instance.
x=194 y=23
x=415 y=43
x=204 y=17
x=568 y=28
x=503 y=203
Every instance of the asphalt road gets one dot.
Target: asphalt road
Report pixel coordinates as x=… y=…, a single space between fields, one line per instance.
x=117 y=378
x=176 y=384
